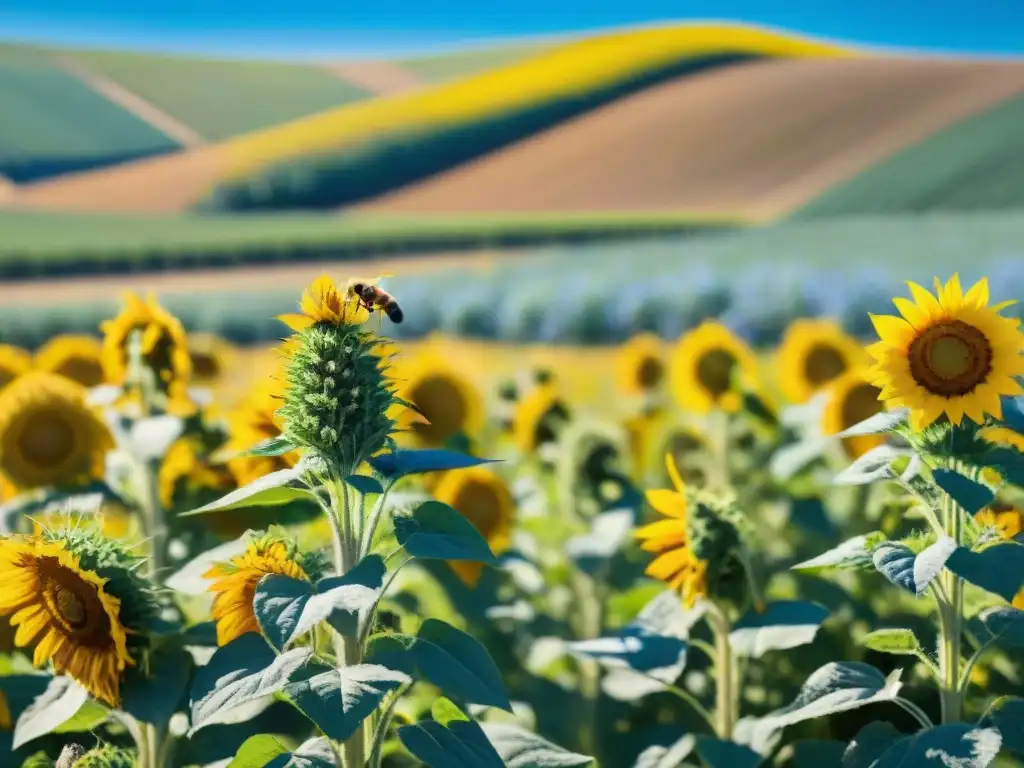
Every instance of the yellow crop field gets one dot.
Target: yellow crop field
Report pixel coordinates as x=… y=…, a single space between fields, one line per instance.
x=578 y=66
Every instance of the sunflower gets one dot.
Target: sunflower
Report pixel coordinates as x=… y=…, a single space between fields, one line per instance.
x=67 y=611
x=14 y=362
x=1006 y=519
x=79 y=358
x=814 y=353
x=537 y=418
x=852 y=398
x=234 y=583
x=949 y=353
x=254 y=420
x=704 y=366
x=447 y=400
x=640 y=365
x=324 y=302
x=182 y=466
x=164 y=345
x=483 y=498
x=48 y=435
x=1004 y=436
x=676 y=563
x=210 y=356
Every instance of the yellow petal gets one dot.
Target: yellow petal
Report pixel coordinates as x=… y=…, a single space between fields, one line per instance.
x=924 y=299
x=915 y=315
x=669 y=564
x=660 y=528
x=673 y=473
x=669 y=503
x=896 y=330
x=297 y=323
x=977 y=296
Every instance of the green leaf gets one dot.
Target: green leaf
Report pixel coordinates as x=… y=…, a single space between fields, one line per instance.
x=852 y=553
x=608 y=531
x=817 y=753
x=635 y=649
x=364 y=484
x=1007 y=715
x=339 y=700
x=154 y=698
x=869 y=744
x=880 y=423
x=268 y=491
x=726 y=754
x=899 y=642
x=961 y=745
x=274 y=446
x=243 y=671
x=898 y=563
x=62 y=701
x=435 y=531
x=873 y=466
x=404 y=462
x=257 y=751
x=457 y=744
x=287 y=608
x=667 y=757
x=1006 y=625
x=445 y=711
x=519 y=748
x=997 y=569
x=457 y=664
x=970 y=495
x=782 y=625
x=835 y=687
x=314 y=753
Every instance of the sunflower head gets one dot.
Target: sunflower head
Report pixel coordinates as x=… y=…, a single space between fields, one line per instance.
x=14 y=362
x=445 y=403
x=688 y=448
x=1003 y=436
x=1004 y=519
x=325 y=303
x=338 y=399
x=234 y=583
x=591 y=469
x=79 y=358
x=706 y=365
x=183 y=473
x=851 y=399
x=76 y=598
x=483 y=498
x=48 y=434
x=640 y=365
x=210 y=357
x=538 y=419
x=813 y=354
x=949 y=354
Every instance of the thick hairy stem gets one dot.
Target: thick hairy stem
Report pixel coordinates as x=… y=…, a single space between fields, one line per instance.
x=951 y=623
x=725 y=668
x=371 y=525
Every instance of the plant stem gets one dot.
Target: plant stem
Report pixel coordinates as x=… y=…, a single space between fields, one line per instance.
x=371 y=526
x=950 y=622
x=590 y=623
x=725 y=687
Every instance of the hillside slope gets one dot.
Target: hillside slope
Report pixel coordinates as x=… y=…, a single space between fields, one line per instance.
x=755 y=139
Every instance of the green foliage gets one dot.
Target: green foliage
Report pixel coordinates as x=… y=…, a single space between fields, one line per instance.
x=436 y=531
x=63 y=707
x=407 y=461
x=901 y=642
x=273 y=489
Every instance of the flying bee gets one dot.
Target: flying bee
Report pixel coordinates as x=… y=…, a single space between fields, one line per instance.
x=372 y=297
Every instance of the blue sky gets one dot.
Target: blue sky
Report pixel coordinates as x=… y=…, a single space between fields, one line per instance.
x=310 y=28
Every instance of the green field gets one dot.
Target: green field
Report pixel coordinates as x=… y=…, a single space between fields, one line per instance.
x=38 y=244
x=51 y=123
x=222 y=98
x=977 y=164
x=437 y=68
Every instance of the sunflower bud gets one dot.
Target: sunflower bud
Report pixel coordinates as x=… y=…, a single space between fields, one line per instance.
x=714 y=531
x=337 y=399
x=107 y=756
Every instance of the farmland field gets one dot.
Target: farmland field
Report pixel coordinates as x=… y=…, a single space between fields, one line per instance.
x=437 y=68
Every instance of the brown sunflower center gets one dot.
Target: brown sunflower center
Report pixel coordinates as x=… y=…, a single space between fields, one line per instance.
x=440 y=401
x=205 y=365
x=714 y=371
x=822 y=364
x=950 y=359
x=479 y=503
x=861 y=403
x=650 y=373
x=74 y=604
x=86 y=371
x=47 y=439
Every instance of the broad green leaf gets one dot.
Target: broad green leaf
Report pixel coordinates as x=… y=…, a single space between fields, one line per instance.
x=287 y=608
x=364 y=484
x=914 y=573
x=519 y=748
x=835 y=687
x=241 y=672
x=608 y=531
x=270 y=490
x=1007 y=715
x=880 y=423
x=457 y=664
x=873 y=466
x=635 y=649
x=869 y=744
x=411 y=461
x=782 y=625
x=444 y=711
x=900 y=642
x=153 y=698
x=852 y=553
x=726 y=754
x=314 y=753
x=60 y=702
x=789 y=460
x=666 y=615
x=970 y=495
x=257 y=751
x=339 y=700
x=1013 y=413
x=960 y=745
x=997 y=569
x=1006 y=625
x=667 y=757
x=435 y=531
x=459 y=744
x=274 y=446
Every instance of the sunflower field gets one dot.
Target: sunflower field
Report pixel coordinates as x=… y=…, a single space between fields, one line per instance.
x=359 y=551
